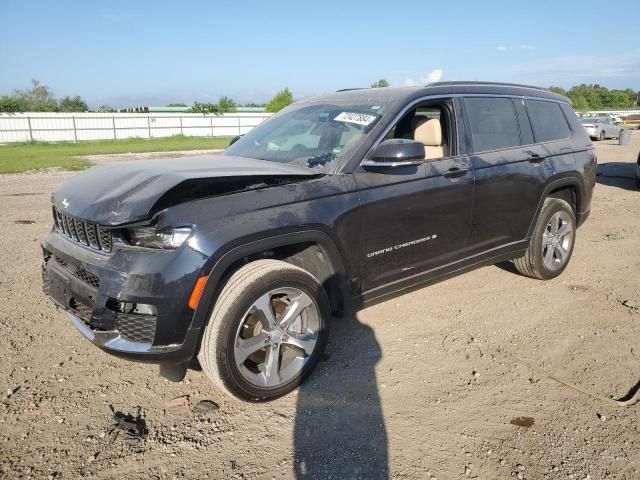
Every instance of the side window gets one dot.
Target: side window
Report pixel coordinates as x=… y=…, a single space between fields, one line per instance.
x=493 y=123
x=438 y=138
x=547 y=120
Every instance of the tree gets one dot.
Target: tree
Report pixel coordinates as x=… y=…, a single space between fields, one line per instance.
x=580 y=103
x=38 y=98
x=75 y=104
x=226 y=104
x=12 y=105
x=558 y=90
x=380 y=83
x=279 y=101
x=205 y=108
x=106 y=109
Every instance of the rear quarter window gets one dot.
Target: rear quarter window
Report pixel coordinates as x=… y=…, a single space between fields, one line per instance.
x=493 y=123
x=547 y=120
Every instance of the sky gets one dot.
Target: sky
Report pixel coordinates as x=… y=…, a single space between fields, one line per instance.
x=128 y=53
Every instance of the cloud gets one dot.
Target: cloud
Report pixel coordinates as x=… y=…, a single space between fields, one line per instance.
x=501 y=48
x=429 y=77
x=433 y=76
x=525 y=46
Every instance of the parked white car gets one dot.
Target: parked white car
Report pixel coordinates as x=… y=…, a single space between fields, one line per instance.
x=600 y=128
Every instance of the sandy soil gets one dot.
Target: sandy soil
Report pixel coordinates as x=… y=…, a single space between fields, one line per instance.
x=433 y=384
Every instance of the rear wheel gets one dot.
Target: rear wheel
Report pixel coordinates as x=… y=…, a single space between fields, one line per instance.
x=266 y=332
x=551 y=245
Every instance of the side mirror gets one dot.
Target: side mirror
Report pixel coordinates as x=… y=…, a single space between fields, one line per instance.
x=235 y=139
x=396 y=152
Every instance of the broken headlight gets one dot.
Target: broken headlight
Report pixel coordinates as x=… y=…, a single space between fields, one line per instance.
x=149 y=237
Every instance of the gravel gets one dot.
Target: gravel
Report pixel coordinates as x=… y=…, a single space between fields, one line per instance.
x=413 y=388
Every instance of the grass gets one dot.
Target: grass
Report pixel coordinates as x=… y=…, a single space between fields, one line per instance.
x=21 y=157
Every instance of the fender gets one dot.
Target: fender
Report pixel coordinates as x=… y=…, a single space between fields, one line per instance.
x=563 y=180
x=218 y=265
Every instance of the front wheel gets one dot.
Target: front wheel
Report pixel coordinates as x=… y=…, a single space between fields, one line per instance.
x=551 y=245
x=601 y=137
x=267 y=331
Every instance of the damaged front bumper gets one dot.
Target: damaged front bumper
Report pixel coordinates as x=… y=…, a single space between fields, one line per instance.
x=132 y=303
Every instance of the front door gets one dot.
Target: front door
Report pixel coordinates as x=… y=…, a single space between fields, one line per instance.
x=417 y=218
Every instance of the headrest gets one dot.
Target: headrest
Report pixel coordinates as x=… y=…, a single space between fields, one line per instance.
x=428 y=132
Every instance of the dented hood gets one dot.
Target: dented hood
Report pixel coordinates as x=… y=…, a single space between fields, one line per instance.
x=129 y=191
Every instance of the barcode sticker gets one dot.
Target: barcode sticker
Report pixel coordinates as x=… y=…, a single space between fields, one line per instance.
x=357 y=118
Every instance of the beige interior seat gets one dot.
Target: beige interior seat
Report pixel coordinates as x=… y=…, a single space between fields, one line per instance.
x=429 y=132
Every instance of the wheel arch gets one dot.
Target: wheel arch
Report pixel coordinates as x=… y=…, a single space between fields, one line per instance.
x=312 y=250
x=569 y=188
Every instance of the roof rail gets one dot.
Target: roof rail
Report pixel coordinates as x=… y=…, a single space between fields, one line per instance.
x=497 y=84
x=349 y=89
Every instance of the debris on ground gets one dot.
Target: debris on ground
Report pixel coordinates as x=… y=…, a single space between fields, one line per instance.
x=11 y=391
x=633 y=304
x=205 y=406
x=24 y=222
x=525 y=422
x=182 y=401
x=131 y=428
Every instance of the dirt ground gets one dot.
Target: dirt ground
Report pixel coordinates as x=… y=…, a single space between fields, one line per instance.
x=439 y=383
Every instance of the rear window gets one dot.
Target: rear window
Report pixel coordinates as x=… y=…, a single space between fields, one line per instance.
x=493 y=123
x=547 y=120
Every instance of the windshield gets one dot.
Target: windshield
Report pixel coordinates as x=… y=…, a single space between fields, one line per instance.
x=311 y=135
x=589 y=120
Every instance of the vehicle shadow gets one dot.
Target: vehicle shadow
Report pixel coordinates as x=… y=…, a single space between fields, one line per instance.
x=617 y=174
x=339 y=427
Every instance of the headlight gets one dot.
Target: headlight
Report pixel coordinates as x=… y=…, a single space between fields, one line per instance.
x=149 y=237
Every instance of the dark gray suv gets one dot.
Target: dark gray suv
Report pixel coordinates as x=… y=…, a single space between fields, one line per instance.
x=242 y=259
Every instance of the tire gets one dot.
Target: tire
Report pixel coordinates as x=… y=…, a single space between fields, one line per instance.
x=536 y=263
x=601 y=137
x=281 y=356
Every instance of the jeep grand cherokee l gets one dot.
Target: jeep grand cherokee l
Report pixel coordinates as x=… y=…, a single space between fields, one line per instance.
x=240 y=259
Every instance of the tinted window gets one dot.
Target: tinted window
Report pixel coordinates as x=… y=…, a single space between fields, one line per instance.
x=493 y=123
x=547 y=120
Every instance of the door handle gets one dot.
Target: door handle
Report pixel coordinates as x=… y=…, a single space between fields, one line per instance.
x=455 y=172
x=535 y=158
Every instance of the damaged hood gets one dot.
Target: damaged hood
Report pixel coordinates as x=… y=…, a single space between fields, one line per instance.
x=130 y=191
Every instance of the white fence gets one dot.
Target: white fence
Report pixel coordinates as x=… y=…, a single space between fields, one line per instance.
x=75 y=127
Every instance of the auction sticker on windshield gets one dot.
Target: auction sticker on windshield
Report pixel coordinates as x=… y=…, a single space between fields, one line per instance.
x=357 y=118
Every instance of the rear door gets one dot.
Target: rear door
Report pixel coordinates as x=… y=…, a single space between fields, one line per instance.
x=509 y=170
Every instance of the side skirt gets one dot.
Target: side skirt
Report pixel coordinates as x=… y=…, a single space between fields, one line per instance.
x=439 y=274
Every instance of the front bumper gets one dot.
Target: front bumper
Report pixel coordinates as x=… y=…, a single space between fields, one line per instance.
x=101 y=293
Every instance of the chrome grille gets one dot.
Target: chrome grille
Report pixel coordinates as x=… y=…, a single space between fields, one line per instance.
x=83 y=232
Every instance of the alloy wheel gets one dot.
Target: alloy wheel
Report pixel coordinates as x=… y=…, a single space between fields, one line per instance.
x=277 y=337
x=557 y=241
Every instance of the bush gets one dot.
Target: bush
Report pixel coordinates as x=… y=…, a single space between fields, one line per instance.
x=279 y=101
x=11 y=105
x=380 y=83
x=75 y=104
x=226 y=104
x=205 y=108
